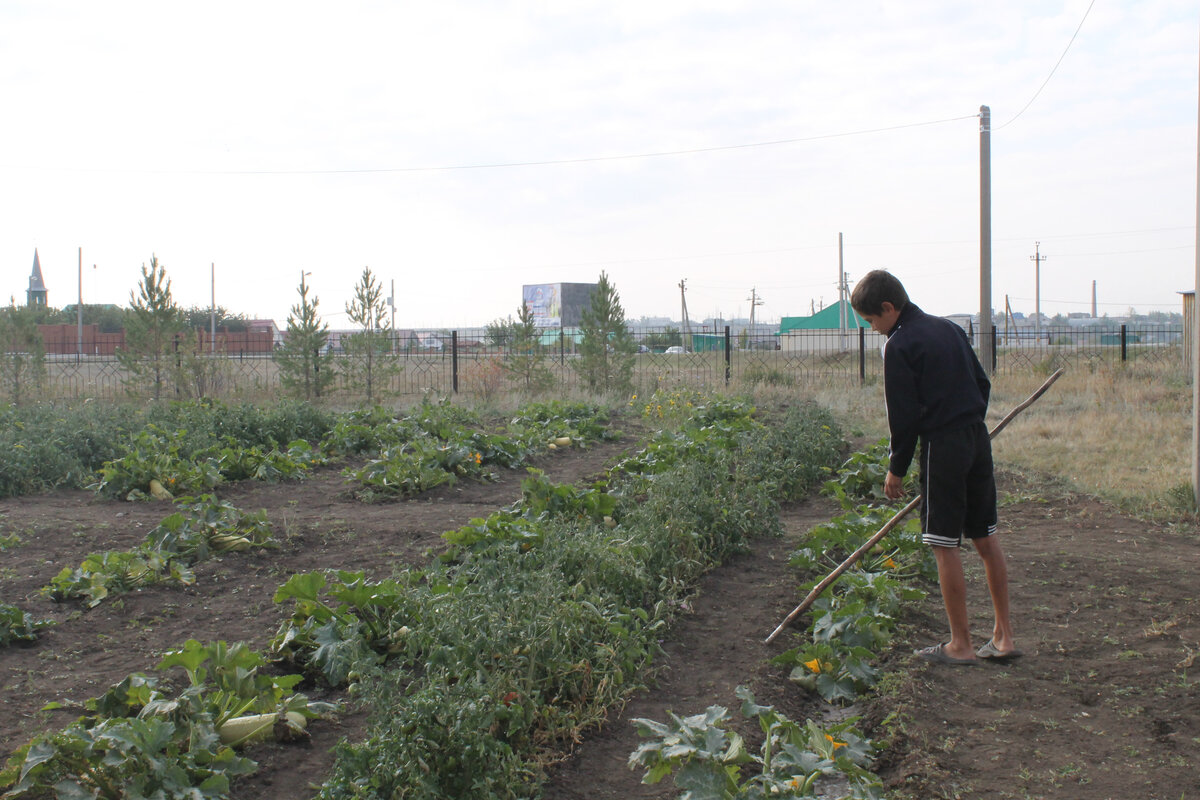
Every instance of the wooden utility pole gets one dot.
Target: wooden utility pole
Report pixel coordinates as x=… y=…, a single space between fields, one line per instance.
x=755 y=300
x=79 y=311
x=212 y=321
x=1038 y=258
x=1195 y=355
x=987 y=354
x=842 y=321
x=687 y=328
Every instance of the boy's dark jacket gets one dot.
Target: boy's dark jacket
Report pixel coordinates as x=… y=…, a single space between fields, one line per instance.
x=932 y=382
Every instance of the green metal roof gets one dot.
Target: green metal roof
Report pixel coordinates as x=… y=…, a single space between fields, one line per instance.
x=826 y=319
x=551 y=336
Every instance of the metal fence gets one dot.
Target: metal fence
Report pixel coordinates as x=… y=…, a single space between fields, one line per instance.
x=466 y=362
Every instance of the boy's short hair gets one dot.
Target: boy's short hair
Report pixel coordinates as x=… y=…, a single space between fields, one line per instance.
x=876 y=288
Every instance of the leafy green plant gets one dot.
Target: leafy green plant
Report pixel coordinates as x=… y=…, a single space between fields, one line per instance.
x=829 y=543
x=524 y=523
x=158 y=455
x=230 y=683
x=836 y=672
x=238 y=463
x=205 y=525
x=141 y=740
x=537 y=423
x=401 y=471
x=709 y=762
x=122 y=758
x=18 y=626
x=208 y=524
x=341 y=626
x=860 y=477
x=115 y=571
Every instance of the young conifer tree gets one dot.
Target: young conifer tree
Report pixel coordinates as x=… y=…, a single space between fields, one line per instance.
x=22 y=354
x=154 y=320
x=303 y=370
x=370 y=361
x=524 y=360
x=607 y=350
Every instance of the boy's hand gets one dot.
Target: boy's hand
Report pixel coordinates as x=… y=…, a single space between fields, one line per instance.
x=893 y=486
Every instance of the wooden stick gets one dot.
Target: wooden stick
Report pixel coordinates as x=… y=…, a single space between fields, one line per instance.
x=853 y=558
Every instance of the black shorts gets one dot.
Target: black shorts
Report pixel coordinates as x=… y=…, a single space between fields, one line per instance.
x=958 y=486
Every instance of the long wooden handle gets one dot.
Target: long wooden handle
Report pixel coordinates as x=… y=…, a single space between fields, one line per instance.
x=853 y=558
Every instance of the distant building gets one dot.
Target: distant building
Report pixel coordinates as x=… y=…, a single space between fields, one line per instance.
x=820 y=331
x=35 y=297
x=827 y=319
x=557 y=305
x=266 y=326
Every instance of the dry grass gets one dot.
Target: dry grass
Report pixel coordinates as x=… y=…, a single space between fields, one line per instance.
x=1120 y=433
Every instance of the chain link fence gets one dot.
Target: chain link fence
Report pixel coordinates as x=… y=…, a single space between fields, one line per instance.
x=468 y=362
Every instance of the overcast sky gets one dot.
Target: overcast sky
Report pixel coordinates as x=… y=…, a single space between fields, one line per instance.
x=463 y=149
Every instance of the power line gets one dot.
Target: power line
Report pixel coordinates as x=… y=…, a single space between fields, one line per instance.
x=538 y=163
x=1055 y=69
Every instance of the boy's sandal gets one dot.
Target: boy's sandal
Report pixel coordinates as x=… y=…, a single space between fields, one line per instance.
x=936 y=654
x=990 y=652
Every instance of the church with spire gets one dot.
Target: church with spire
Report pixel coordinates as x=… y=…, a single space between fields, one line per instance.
x=35 y=297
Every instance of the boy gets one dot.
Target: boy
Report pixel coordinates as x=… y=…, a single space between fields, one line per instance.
x=936 y=393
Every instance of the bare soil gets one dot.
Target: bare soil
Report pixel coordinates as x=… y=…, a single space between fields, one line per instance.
x=1103 y=705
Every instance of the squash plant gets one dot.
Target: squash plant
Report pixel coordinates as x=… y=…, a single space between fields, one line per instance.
x=18 y=626
x=709 y=762
x=140 y=739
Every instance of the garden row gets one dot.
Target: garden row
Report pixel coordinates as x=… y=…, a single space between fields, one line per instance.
x=834 y=659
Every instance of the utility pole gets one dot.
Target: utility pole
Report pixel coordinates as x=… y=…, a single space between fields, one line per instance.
x=687 y=327
x=755 y=300
x=79 y=312
x=1194 y=356
x=841 y=284
x=987 y=353
x=1037 y=288
x=1093 y=299
x=212 y=322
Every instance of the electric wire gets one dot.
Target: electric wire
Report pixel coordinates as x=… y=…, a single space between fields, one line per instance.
x=1055 y=69
x=531 y=163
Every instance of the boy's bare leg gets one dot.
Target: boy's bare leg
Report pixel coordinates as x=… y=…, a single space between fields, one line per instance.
x=954 y=595
x=996 y=568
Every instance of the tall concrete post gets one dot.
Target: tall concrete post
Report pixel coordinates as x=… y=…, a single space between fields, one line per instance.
x=1196 y=342
x=987 y=355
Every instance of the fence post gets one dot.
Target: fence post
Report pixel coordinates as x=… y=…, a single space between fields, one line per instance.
x=1124 y=352
x=454 y=361
x=862 y=356
x=727 y=353
x=562 y=346
x=994 y=343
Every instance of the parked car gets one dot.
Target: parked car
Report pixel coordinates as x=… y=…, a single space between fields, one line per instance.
x=675 y=349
